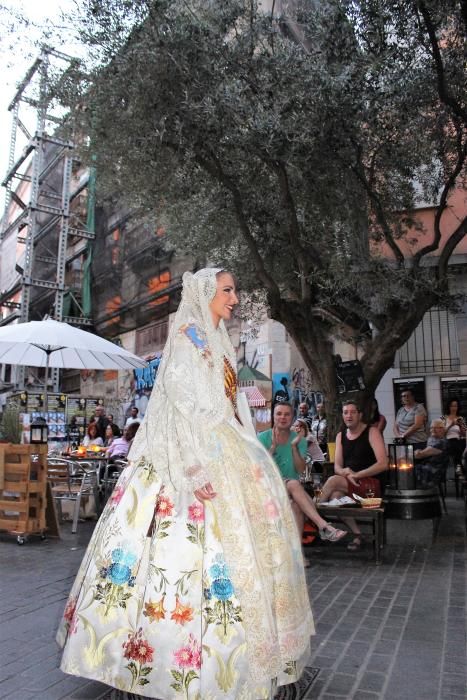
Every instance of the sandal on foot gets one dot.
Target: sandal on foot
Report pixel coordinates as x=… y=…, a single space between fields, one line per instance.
x=356 y=544
x=331 y=534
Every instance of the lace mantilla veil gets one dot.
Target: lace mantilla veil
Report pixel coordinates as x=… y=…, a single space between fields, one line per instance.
x=179 y=380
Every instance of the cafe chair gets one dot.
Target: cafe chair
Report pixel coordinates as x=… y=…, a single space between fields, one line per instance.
x=70 y=481
x=113 y=469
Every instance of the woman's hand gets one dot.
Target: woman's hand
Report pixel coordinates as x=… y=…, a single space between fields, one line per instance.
x=296 y=440
x=207 y=493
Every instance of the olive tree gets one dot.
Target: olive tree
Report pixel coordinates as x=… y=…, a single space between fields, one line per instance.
x=290 y=142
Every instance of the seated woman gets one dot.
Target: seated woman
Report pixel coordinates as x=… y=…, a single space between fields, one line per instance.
x=433 y=461
x=314 y=451
x=120 y=445
x=91 y=437
x=119 y=449
x=112 y=431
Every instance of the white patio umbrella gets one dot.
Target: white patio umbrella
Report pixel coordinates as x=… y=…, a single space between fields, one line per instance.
x=51 y=343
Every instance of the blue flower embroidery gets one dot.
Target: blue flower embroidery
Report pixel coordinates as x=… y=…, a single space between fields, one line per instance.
x=119 y=572
x=219 y=569
x=221 y=586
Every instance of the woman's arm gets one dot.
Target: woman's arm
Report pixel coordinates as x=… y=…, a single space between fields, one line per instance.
x=417 y=425
x=381 y=424
x=298 y=460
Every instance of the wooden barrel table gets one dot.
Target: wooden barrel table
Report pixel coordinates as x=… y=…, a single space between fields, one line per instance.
x=413 y=504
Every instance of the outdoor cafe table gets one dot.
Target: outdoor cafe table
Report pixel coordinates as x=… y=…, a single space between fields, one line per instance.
x=97 y=459
x=373 y=515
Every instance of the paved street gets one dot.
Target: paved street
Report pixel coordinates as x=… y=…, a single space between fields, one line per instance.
x=396 y=631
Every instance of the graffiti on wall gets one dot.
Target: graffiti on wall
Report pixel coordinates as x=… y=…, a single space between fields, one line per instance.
x=146 y=376
x=281 y=389
x=295 y=388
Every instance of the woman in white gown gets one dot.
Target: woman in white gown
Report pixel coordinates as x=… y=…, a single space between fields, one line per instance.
x=193 y=585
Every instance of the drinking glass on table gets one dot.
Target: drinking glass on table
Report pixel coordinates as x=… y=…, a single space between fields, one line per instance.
x=317 y=488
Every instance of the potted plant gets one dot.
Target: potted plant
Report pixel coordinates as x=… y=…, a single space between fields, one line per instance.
x=10 y=424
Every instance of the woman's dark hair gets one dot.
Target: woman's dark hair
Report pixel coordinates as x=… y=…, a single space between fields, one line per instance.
x=131 y=431
x=410 y=389
x=116 y=432
x=448 y=405
x=375 y=414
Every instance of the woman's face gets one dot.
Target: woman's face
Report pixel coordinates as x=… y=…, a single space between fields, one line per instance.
x=299 y=428
x=108 y=432
x=407 y=398
x=453 y=407
x=225 y=299
x=92 y=430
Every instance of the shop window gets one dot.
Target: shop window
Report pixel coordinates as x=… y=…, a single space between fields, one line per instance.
x=152 y=338
x=433 y=347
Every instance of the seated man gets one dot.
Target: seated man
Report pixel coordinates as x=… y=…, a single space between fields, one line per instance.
x=288 y=449
x=360 y=457
x=433 y=461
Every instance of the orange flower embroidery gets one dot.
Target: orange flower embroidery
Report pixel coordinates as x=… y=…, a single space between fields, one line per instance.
x=181 y=613
x=155 y=611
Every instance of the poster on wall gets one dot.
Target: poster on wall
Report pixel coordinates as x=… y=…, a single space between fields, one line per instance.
x=32 y=405
x=67 y=416
x=281 y=388
x=79 y=413
x=91 y=405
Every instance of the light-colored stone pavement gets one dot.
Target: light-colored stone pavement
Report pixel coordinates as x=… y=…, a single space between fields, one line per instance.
x=393 y=632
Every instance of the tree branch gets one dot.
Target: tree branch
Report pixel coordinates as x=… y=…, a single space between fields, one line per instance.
x=454 y=239
x=445 y=96
x=379 y=211
x=215 y=170
x=294 y=229
x=449 y=184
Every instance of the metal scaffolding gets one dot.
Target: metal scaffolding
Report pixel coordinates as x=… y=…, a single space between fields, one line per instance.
x=43 y=207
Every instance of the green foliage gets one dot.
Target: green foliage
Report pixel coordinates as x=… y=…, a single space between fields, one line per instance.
x=10 y=424
x=285 y=148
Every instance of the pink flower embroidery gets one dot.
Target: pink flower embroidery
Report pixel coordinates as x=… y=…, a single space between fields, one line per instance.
x=196 y=512
x=190 y=655
x=69 y=615
x=164 y=507
x=257 y=472
x=117 y=495
x=271 y=509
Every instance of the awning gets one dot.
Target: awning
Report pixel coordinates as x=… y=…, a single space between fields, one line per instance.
x=254 y=396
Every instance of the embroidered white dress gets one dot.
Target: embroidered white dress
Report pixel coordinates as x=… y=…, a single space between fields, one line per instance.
x=176 y=599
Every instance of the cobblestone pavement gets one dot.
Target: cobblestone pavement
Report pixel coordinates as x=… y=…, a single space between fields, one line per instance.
x=396 y=631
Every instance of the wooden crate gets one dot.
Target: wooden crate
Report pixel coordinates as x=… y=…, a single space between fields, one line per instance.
x=23 y=492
